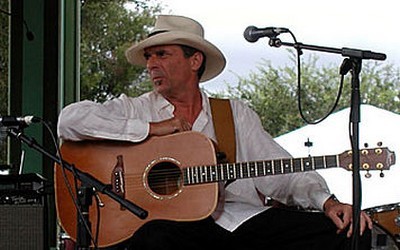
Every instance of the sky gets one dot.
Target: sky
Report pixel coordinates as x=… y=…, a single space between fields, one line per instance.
x=359 y=24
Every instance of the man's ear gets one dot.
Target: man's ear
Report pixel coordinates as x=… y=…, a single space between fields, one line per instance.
x=196 y=60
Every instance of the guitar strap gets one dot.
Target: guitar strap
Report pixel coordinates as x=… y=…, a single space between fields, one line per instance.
x=224 y=127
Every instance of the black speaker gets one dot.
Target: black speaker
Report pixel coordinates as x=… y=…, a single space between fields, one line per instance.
x=23 y=213
x=22 y=227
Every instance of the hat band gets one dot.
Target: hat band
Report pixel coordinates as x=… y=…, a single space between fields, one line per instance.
x=156 y=33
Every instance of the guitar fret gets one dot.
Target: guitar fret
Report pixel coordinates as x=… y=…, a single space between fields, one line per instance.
x=237 y=170
x=264 y=168
x=201 y=174
x=259 y=169
x=212 y=173
x=256 y=169
x=253 y=169
x=277 y=166
x=230 y=172
x=319 y=162
x=190 y=181
x=272 y=167
x=227 y=169
x=287 y=166
x=205 y=174
x=313 y=163
x=197 y=175
x=291 y=165
x=187 y=176
x=267 y=167
x=332 y=161
x=243 y=170
x=194 y=175
x=307 y=163
x=221 y=172
x=297 y=165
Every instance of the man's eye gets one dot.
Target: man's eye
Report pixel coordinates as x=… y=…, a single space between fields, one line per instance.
x=161 y=53
x=146 y=55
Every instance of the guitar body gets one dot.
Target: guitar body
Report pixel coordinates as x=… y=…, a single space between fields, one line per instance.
x=174 y=201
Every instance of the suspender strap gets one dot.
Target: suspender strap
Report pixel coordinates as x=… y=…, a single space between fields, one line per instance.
x=224 y=127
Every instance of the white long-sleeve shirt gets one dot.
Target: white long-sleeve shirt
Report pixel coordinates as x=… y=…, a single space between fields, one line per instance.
x=128 y=119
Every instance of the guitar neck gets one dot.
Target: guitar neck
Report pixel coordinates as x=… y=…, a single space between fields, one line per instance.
x=231 y=171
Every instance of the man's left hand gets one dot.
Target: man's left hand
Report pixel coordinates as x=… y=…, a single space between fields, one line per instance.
x=341 y=214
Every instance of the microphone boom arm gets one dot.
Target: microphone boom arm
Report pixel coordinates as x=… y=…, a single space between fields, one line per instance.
x=346 y=52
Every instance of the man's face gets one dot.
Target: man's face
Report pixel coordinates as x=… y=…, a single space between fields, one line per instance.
x=168 y=68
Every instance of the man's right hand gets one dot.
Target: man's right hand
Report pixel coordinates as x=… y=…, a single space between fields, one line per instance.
x=170 y=126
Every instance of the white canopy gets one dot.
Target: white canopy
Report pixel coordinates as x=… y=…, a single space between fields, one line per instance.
x=331 y=137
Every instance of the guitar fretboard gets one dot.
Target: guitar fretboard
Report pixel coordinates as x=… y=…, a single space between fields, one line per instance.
x=231 y=171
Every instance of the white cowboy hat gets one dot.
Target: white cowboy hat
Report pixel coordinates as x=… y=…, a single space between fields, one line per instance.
x=170 y=29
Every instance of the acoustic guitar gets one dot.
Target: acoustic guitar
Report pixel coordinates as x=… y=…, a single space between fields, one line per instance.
x=173 y=177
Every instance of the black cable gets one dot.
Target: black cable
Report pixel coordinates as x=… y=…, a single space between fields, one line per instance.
x=68 y=184
x=29 y=34
x=299 y=53
x=96 y=239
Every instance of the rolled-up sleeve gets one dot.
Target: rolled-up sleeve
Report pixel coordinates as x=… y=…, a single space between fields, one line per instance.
x=117 y=119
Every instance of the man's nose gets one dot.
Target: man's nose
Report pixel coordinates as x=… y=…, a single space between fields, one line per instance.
x=151 y=61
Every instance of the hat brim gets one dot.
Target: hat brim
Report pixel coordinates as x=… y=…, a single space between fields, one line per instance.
x=215 y=62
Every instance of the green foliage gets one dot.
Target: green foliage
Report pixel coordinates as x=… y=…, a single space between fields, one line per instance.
x=272 y=91
x=108 y=28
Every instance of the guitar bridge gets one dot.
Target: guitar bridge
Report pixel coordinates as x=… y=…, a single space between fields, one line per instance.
x=118 y=179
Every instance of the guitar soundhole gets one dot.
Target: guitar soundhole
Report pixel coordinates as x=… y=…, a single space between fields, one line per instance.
x=164 y=178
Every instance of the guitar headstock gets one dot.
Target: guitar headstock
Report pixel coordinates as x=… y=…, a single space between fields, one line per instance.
x=380 y=158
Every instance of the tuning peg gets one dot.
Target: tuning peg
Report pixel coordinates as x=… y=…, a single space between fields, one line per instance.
x=368 y=175
x=379 y=144
x=382 y=174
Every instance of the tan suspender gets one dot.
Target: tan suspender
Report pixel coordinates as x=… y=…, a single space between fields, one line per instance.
x=224 y=127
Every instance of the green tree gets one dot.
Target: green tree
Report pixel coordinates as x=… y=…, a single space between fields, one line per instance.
x=272 y=91
x=108 y=28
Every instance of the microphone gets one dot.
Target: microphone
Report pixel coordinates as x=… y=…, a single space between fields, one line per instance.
x=252 y=33
x=9 y=121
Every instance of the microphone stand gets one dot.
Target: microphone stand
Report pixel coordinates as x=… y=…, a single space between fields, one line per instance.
x=355 y=56
x=89 y=185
